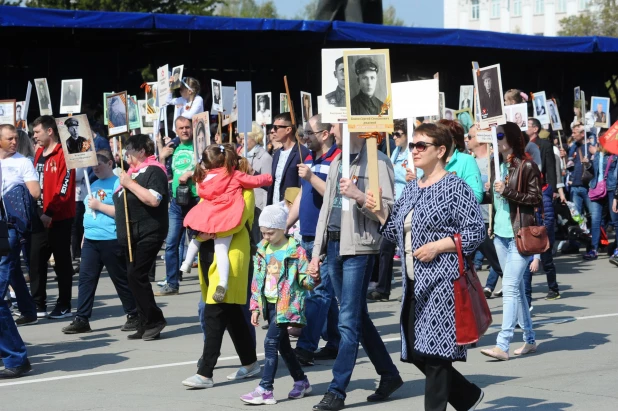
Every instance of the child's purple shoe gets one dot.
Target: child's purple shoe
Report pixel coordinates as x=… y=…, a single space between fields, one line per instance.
x=301 y=388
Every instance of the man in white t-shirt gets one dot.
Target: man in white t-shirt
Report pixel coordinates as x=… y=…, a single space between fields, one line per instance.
x=16 y=170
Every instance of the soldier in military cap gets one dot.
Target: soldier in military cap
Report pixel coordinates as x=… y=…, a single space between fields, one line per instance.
x=75 y=144
x=337 y=97
x=489 y=97
x=365 y=103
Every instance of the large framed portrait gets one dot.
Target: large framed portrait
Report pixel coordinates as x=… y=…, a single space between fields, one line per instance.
x=368 y=90
x=306 y=106
x=42 y=90
x=518 y=114
x=117 y=111
x=488 y=86
x=263 y=111
x=7 y=111
x=176 y=80
x=201 y=134
x=600 y=111
x=554 y=115
x=135 y=120
x=77 y=142
x=539 y=106
x=71 y=96
x=466 y=99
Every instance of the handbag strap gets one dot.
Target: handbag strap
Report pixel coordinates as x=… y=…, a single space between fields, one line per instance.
x=457 y=239
x=521 y=169
x=609 y=163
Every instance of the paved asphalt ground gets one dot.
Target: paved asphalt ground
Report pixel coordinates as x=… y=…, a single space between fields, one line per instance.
x=575 y=368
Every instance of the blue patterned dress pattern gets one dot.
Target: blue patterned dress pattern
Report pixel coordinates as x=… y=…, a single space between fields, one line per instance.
x=441 y=210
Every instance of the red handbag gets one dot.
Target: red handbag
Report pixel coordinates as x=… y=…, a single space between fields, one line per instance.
x=472 y=314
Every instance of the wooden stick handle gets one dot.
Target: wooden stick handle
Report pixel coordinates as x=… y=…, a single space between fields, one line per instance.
x=126 y=210
x=291 y=106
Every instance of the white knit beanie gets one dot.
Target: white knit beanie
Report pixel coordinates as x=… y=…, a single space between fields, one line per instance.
x=274 y=216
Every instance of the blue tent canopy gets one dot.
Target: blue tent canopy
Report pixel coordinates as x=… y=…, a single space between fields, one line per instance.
x=335 y=31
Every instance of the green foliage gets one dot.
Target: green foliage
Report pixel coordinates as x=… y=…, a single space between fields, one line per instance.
x=390 y=17
x=601 y=19
x=195 y=7
x=248 y=9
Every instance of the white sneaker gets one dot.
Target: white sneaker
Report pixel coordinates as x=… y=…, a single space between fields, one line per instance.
x=246 y=372
x=41 y=314
x=186 y=267
x=162 y=283
x=197 y=381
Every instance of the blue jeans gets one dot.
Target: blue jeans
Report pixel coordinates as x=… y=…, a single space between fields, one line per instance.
x=515 y=309
x=579 y=196
x=277 y=341
x=320 y=305
x=12 y=347
x=175 y=232
x=10 y=271
x=350 y=278
x=478 y=259
x=597 y=217
x=492 y=279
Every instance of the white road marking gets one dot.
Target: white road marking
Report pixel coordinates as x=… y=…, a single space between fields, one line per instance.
x=235 y=357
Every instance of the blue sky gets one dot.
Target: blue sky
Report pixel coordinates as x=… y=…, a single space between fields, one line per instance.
x=420 y=13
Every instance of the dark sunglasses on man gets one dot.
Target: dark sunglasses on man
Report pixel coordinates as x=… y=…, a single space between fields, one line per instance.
x=397 y=134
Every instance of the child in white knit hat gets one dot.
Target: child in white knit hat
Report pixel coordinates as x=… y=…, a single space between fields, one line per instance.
x=277 y=291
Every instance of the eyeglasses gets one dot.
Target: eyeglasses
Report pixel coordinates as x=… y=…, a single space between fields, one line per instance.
x=312 y=133
x=421 y=146
x=276 y=127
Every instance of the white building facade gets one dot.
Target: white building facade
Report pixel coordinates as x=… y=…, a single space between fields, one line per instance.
x=535 y=17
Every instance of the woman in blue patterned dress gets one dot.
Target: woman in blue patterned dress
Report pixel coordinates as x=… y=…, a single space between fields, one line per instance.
x=424 y=220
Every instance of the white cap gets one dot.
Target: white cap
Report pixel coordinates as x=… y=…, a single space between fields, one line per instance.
x=274 y=216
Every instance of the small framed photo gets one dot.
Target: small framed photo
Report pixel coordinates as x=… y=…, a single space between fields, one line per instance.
x=600 y=111
x=539 y=105
x=7 y=111
x=577 y=94
x=152 y=104
x=263 y=112
x=554 y=116
x=163 y=80
x=488 y=85
x=450 y=114
x=307 y=106
x=71 y=96
x=217 y=96
x=176 y=80
x=368 y=90
x=135 y=120
x=20 y=118
x=284 y=107
x=117 y=111
x=77 y=142
x=147 y=125
x=465 y=97
x=518 y=114
x=441 y=103
x=201 y=134
x=42 y=90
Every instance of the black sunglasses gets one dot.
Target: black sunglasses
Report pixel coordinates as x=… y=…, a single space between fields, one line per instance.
x=397 y=134
x=276 y=127
x=421 y=146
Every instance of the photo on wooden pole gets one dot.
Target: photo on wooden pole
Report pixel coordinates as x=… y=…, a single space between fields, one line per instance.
x=465 y=97
x=77 y=141
x=518 y=114
x=147 y=125
x=217 y=96
x=554 y=115
x=42 y=90
x=176 y=80
x=135 y=120
x=201 y=133
x=539 y=104
x=488 y=85
x=600 y=110
x=306 y=106
x=263 y=112
x=71 y=96
x=152 y=107
x=284 y=107
x=20 y=118
x=117 y=112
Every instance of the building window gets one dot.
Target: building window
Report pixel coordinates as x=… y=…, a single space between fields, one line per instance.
x=495 y=9
x=516 y=8
x=475 y=9
x=562 y=6
x=539 y=7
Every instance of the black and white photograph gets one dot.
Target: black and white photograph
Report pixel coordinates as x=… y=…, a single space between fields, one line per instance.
x=368 y=90
x=147 y=125
x=201 y=133
x=465 y=97
x=518 y=114
x=600 y=110
x=20 y=118
x=152 y=105
x=7 y=111
x=42 y=90
x=117 y=111
x=554 y=116
x=577 y=93
x=77 y=143
x=539 y=107
x=306 y=106
x=488 y=83
x=217 y=96
x=135 y=120
x=263 y=112
x=176 y=80
x=449 y=114
x=71 y=96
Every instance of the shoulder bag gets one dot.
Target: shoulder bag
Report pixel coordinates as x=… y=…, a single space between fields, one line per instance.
x=600 y=190
x=530 y=240
x=472 y=314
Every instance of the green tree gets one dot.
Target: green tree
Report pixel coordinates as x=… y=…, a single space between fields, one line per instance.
x=194 y=7
x=390 y=17
x=248 y=9
x=600 y=19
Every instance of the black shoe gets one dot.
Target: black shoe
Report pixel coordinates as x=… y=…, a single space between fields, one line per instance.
x=325 y=353
x=60 y=312
x=614 y=260
x=330 y=402
x=265 y=326
x=138 y=335
x=385 y=389
x=22 y=320
x=304 y=357
x=377 y=296
x=552 y=295
x=154 y=332
x=16 y=372
x=78 y=325
x=131 y=324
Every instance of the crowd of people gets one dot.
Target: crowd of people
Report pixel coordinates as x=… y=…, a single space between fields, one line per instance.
x=277 y=247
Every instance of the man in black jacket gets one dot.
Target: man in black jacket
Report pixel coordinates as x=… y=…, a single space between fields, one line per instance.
x=548 y=159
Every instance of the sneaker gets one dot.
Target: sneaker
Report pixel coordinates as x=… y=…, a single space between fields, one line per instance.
x=476 y=404
x=60 y=312
x=496 y=353
x=186 y=267
x=137 y=335
x=499 y=293
x=41 y=314
x=377 y=296
x=154 y=332
x=552 y=295
x=162 y=283
x=300 y=389
x=259 y=397
x=23 y=320
x=219 y=294
x=525 y=349
x=326 y=353
x=166 y=290
x=330 y=402
x=197 y=381
x=265 y=326
x=396 y=258
x=385 y=389
x=16 y=372
x=487 y=292
x=246 y=372
x=78 y=325
x=131 y=324
x=304 y=357
x=614 y=258
x=590 y=255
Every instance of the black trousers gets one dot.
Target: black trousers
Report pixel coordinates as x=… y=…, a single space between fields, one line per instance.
x=488 y=249
x=77 y=230
x=443 y=383
x=144 y=253
x=383 y=267
x=56 y=240
x=218 y=318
